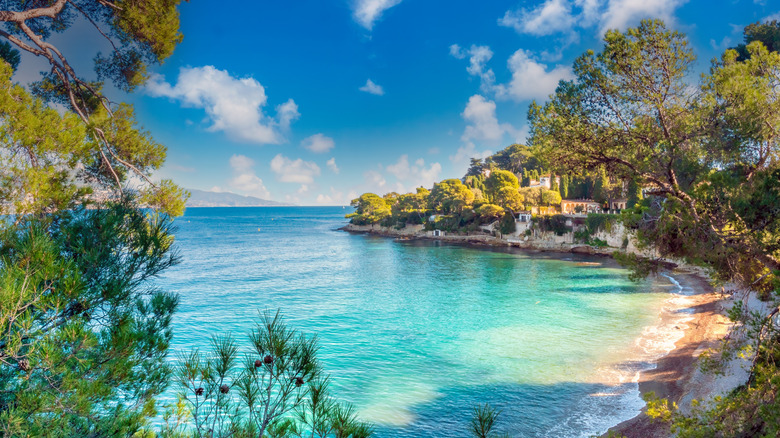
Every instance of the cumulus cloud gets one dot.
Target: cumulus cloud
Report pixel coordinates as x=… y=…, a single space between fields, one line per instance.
x=621 y=14
x=244 y=178
x=372 y=88
x=550 y=17
x=234 y=106
x=318 y=143
x=374 y=179
x=335 y=197
x=467 y=152
x=332 y=165
x=478 y=59
x=564 y=16
x=367 y=12
x=481 y=121
x=531 y=79
x=411 y=175
x=294 y=171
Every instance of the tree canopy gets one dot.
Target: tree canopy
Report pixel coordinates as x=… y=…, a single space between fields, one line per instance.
x=706 y=155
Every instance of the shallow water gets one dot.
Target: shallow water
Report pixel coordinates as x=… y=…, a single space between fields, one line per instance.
x=414 y=333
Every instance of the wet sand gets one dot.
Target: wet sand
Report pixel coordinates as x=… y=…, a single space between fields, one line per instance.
x=676 y=376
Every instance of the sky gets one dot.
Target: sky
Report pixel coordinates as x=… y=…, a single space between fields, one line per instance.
x=313 y=102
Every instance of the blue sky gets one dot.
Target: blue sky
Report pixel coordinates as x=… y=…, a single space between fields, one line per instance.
x=315 y=102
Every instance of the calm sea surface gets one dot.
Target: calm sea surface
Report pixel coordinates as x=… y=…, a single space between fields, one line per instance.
x=414 y=334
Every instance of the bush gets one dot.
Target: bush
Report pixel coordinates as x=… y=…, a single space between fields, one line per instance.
x=507 y=224
x=555 y=223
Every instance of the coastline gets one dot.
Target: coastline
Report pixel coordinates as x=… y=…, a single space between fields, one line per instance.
x=696 y=316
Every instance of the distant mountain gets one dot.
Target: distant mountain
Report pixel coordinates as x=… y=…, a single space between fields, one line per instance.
x=201 y=198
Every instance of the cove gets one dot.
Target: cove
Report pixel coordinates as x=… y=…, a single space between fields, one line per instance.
x=415 y=333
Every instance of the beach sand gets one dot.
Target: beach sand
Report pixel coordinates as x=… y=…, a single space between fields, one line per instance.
x=677 y=376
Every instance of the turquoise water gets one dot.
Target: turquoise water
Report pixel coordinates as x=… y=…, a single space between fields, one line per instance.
x=414 y=333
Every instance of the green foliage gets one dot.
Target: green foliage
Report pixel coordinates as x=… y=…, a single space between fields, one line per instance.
x=555 y=223
x=411 y=207
x=490 y=212
x=277 y=389
x=83 y=339
x=498 y=180
x=507 y=224
x=767 y=33
x=634 y=194
x=509 y=198
x=564 y=187
x=600 y=222
x=140 y=33
x=450 y=196
x=9 y=54
x=483 y=421
x=369 y=209
x=601 y=187
x=540 y=196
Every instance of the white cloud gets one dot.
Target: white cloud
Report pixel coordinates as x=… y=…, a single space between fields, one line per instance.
x=294 y=171
x=478 y=59
x=775 y=16
x=482 y=124
x=366 y=12
x=413 y=175
x=332 y=165
x=318 y=143
x=374 y=179
x=530 y=79
x=550 y=17
x=244 y=178
x=335 y=198
x=565 y=16
x=372 y=88
x=233 y=106
x=467 y=152
x=621 y=14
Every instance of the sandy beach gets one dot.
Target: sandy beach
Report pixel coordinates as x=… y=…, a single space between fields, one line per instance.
x=677 y=376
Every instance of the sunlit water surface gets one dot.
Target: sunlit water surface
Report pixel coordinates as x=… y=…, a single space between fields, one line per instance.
x=414 y=334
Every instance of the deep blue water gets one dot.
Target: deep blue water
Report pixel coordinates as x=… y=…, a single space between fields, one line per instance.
x=414 y=334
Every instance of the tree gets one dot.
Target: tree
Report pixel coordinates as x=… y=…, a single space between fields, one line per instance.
x=549 y=197
x=9 y=54
x=564 y=188
x=634 y=194
x=140 y=33
x=490 y=212
x=475 y=167
x=767 y=33
x=278 y=389
x=369 y=209
x=708 y=156
x=84 y=336
x=601 y=187
x=450 y=196
x=509 y=198
x=411 y=207
x=506 y=224
x=499 y=179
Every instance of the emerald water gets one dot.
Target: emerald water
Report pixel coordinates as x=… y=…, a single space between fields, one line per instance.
x=415 y=333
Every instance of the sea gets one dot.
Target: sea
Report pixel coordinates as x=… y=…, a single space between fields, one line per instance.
x=416 y=333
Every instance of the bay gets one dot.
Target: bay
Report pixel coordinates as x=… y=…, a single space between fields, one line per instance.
x=416 y=333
